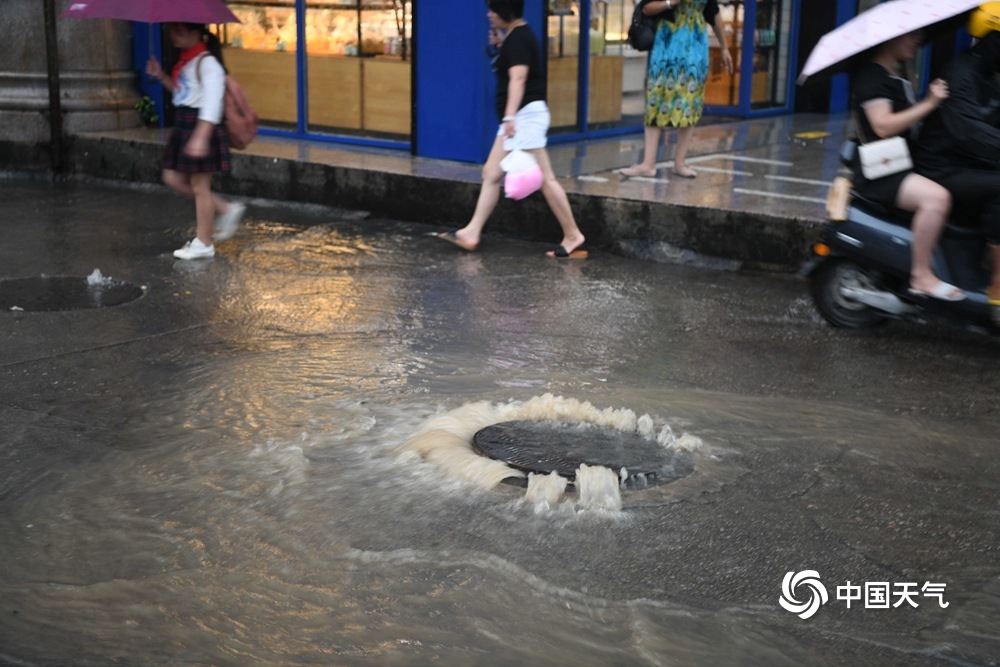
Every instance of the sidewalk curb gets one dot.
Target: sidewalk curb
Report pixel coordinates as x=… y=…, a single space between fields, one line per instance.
x=617 y=224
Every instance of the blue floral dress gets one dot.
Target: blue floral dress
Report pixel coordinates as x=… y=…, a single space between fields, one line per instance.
x=678 y=68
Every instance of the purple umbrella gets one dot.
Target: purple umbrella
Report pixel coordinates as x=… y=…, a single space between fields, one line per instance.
x=152 y=11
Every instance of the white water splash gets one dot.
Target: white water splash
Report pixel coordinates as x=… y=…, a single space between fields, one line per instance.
x=96 y=278
x=544 y=491
x=688 y=443
x=598 y=488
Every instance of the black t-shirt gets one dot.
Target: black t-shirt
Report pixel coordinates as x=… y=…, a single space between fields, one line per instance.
x=520 y=48
x=873 y=82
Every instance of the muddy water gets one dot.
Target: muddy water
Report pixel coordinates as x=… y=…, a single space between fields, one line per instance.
x=256 y=504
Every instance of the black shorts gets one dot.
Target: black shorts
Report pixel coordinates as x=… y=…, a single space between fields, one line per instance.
x=883 y=190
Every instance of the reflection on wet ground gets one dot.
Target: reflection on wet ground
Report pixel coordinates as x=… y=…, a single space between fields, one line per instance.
x=778 y=166
x=212 y=474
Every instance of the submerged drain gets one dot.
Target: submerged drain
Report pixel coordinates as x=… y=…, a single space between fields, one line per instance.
x=51 y=293
x=549 y=446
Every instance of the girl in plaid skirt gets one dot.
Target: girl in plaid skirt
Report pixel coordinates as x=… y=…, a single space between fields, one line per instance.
x=198 y=146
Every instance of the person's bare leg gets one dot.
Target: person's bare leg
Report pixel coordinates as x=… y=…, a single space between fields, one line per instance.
x=181 y=184
x=204 y=204
x=489 y=194
x=651 y=146
x=555 y=197
x=684 y=135
x=931 y=204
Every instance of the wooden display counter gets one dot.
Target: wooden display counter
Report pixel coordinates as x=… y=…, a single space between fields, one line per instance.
x=344 y=92
x=724 y=89
x=386 y=94
x=604 y=99
x=335 y=91
x=268 y=79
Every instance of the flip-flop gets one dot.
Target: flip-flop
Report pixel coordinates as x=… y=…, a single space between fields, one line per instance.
x=451 y=237
x=942 y=291
x=576 y=253
x=678 y=174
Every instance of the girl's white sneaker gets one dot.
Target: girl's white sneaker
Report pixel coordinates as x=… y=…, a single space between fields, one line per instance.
x=195 y=249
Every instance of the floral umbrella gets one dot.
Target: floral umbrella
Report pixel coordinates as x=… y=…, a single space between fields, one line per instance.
x=879 y=24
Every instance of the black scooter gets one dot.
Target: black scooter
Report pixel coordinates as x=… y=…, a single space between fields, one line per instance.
x=859 y=271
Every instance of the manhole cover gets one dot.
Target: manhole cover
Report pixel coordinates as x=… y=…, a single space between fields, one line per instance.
x=50 y=293
x=546 y=446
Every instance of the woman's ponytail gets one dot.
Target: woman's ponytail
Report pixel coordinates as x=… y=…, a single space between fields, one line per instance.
x=214 y=46
x=211 y=41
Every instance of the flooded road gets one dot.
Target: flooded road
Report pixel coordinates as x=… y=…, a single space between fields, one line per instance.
x=218 y=472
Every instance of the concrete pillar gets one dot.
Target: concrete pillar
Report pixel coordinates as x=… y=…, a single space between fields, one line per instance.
x=96 y=75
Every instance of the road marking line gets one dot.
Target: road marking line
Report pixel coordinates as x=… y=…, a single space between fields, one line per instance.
x=775 y=195
x=592 y=179
x=740 y=158
x=714 y=170
x=791 y=179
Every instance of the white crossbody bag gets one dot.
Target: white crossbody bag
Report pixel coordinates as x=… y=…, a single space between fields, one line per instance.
x=883 y=157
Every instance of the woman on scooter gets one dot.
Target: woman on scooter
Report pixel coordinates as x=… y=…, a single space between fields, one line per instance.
x=884 y=107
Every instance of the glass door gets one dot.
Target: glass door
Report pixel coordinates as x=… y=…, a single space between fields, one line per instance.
x=351 y=59
x=759 y=35
x=260 y=53
x=771 y=66
x=563 y=50
x=587 y=44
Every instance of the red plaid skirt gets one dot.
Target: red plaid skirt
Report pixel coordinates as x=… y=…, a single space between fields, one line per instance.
x=185 y=119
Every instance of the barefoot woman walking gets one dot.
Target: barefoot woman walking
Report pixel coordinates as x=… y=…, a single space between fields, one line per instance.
x=520 y=103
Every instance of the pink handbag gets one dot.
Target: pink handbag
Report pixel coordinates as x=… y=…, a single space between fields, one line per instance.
x=524 y=176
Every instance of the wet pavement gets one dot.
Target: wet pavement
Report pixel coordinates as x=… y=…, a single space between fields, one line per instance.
x=757 y=200
x=214 y=473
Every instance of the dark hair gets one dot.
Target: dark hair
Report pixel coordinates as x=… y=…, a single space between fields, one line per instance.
x=210 y=39
x=508 y=10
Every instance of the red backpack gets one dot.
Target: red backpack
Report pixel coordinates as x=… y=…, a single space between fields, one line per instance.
x=238 y=117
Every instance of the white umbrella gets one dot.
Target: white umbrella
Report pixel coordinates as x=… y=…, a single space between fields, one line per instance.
x=878 y=25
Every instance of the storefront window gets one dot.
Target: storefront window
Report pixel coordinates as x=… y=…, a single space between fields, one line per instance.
x=607 y=63
x=260 y=53
x=604 y=39
x=563 y=62
x=770 y=30
x=722 y=88
x=357 y=60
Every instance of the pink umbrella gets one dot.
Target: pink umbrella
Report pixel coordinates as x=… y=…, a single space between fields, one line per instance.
x=152 y=11
x=877 y=25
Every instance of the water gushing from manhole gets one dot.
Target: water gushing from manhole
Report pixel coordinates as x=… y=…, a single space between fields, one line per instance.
x=55 y=293
x=449 y=441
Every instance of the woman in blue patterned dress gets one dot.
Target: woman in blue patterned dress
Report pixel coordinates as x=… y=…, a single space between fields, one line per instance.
x=676 y=76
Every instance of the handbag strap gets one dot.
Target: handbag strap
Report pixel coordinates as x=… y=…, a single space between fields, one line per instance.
x=858 y=127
